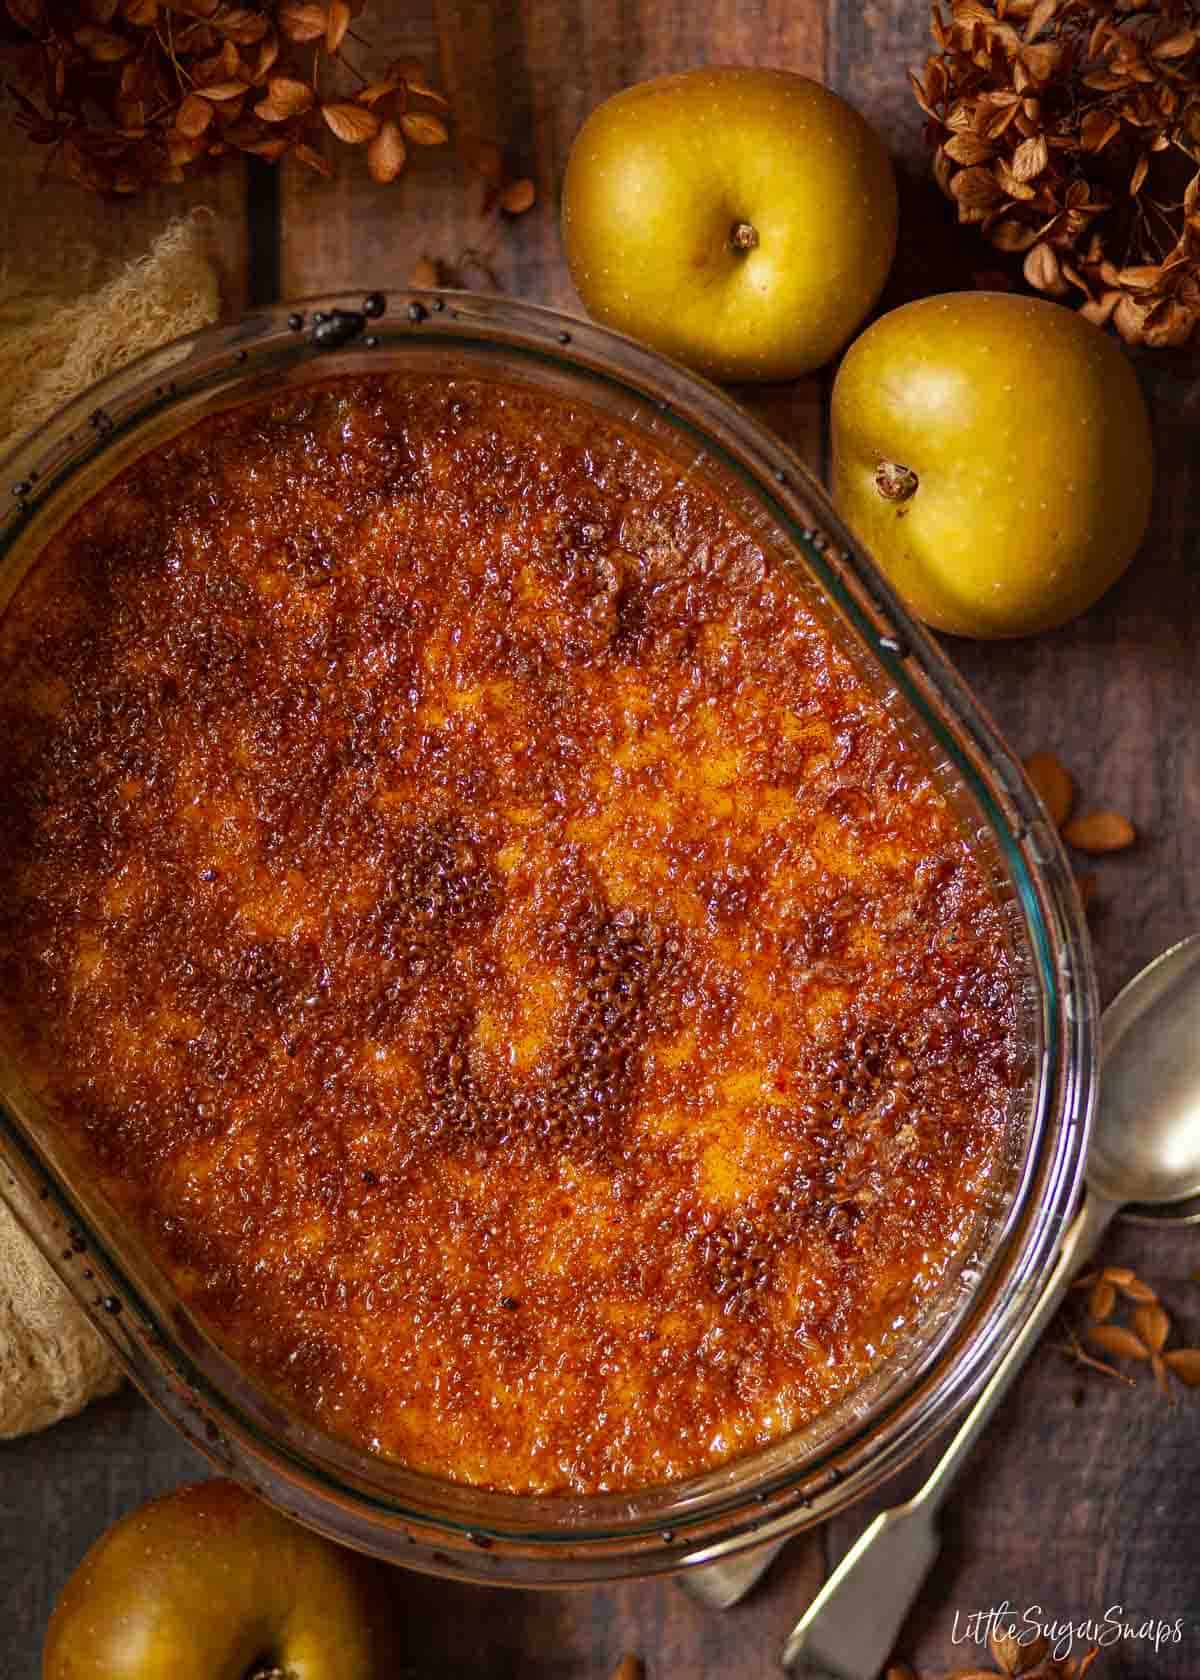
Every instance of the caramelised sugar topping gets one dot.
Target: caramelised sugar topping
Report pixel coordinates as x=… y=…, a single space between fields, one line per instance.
x=487 y=938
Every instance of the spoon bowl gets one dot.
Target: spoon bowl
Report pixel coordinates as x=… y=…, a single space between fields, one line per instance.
x=1145 y=1149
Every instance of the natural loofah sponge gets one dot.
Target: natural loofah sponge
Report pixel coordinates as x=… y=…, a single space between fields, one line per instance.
x=52 y=1362
x=51 y=349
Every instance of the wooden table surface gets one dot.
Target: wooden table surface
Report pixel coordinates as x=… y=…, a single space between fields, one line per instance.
x=1086 y=1493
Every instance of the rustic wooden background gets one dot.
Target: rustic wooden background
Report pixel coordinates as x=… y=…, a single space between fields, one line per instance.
x=1086 y=1493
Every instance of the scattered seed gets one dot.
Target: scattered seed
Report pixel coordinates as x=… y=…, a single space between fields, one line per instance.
x=629 y=1668
x=1153 y=1326
x=1185 y=1362
x=1122 y=1276
x=1116 y=1340
x=1102 y=1300
x=1100 y=831
x=424 y=276
x=517 y=197
x=1053 y=785
x=1136 y=1290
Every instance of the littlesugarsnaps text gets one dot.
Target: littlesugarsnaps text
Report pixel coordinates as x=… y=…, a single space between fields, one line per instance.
x=1115 y=1626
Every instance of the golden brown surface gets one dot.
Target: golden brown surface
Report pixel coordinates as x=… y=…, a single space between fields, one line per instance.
x=487 y=937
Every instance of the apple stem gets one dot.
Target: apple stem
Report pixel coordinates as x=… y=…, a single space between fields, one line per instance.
x=894 y=482
x=743 y=236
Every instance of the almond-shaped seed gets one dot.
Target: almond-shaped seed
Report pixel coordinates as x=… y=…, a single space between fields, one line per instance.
x=517 y=197
x=424 y=274
x=1122 y=1276
x=1137 y=1291
x=1102 y=1300
x=1100 y=831
x=1053 y=785
x=1159 y=1368
x=1185 y=1362
x=1153 y=1326
x=1114 y=1339
x=629 y=1668
x=1086 y=1280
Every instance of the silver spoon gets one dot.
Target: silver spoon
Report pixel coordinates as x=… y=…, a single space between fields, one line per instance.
x=1144 y=1161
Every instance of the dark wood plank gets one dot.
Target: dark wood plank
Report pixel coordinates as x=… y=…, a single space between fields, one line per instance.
x=1084 y=1493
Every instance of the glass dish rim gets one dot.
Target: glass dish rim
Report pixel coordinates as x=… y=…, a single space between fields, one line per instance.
x=931 y=686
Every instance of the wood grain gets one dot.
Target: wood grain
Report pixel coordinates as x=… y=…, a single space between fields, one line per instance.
x=1085 y=1494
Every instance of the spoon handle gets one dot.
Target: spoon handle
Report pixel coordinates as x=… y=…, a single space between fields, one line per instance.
x=851 y=1625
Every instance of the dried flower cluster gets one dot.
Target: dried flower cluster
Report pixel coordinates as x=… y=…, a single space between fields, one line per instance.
x=1069 y=130
x=1094 y=832
x=132 y=92
x=1142 y=1339
x=1016 y=1658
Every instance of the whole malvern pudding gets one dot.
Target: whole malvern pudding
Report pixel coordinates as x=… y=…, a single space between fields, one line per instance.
x=471 y=915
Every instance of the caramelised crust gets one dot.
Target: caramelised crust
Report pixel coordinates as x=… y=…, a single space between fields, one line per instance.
x=488 y=938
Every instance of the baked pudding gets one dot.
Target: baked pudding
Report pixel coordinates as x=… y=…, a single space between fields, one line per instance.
x=471 y=914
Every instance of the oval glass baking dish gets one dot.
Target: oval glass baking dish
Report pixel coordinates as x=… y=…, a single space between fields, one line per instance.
x=418 y=1520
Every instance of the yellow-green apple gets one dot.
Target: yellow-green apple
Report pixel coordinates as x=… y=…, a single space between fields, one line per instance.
x=740 y=220
x=993 y=453
x=211 y=1584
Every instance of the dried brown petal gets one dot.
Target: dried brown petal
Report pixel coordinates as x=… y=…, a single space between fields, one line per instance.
x=265 y=58
x=424 y=129
x=193 y=116
x=311 y=158
x=1114 y=1339
x=969 y=149
x=101 y=44
x=301 y=20
x=1098 y=128
x=337 y=25
x=221 y=91
x=350 y=123
x=518 y=197
x=419 y=86
x=1044 y=272
x=1030 y=158
x=1051 y=780
x=375 y=91
x=240 y=24
x=1185 y=1363
x=1153 y=1326
x=287 y=97
x=1010 y=235
x=1100 y=831
x=386 y=154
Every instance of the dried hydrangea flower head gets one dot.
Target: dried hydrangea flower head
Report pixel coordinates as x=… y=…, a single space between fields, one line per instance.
x=128 y=93
x=1069 y=130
